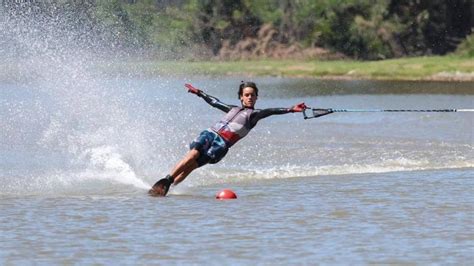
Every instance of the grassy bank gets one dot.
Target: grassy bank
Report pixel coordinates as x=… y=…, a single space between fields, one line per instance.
x=449 y=68
x=440 y=68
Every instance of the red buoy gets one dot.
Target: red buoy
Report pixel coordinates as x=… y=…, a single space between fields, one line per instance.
x=226 y=194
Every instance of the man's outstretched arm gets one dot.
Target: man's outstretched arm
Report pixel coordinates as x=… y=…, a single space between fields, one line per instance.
x=211 y=100
x=277 y=111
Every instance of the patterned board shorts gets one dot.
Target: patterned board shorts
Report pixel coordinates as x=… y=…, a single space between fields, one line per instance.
x=211 y=147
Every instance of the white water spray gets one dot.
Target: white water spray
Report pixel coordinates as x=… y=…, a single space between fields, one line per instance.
x=76 y=115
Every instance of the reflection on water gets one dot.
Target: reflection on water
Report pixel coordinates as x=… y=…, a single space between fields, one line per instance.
x=311 y=87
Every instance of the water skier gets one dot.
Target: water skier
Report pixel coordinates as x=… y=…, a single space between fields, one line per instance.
x=213 y=143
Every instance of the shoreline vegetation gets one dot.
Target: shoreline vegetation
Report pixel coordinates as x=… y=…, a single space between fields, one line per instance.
x=338 y=40
x=435 y=68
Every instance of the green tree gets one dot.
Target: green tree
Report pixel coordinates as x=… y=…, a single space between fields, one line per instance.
x=216 y=20
x=430 y=27
x=349 y=27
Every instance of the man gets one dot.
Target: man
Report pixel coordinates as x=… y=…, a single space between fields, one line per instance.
x=212 y=144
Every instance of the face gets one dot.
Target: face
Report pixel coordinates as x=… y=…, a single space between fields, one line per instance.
x=248 y=97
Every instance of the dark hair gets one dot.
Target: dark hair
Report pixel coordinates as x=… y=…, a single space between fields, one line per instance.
x=245 y=84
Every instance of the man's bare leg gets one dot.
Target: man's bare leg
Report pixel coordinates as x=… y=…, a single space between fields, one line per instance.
x=179 y=173
x=185 y=166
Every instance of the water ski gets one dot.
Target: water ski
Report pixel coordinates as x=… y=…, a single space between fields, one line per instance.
x=161 y=187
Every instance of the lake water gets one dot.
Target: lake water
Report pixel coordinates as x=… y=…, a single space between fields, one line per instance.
x=78 y=153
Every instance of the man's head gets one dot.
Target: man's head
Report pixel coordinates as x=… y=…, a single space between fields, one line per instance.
x=248 y=94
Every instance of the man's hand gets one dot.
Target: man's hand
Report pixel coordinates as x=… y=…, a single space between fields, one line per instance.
x=191 y=89
x=298 y=108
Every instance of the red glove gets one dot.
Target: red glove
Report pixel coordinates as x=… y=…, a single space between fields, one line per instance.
x=191 y=89
x=298 y=108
